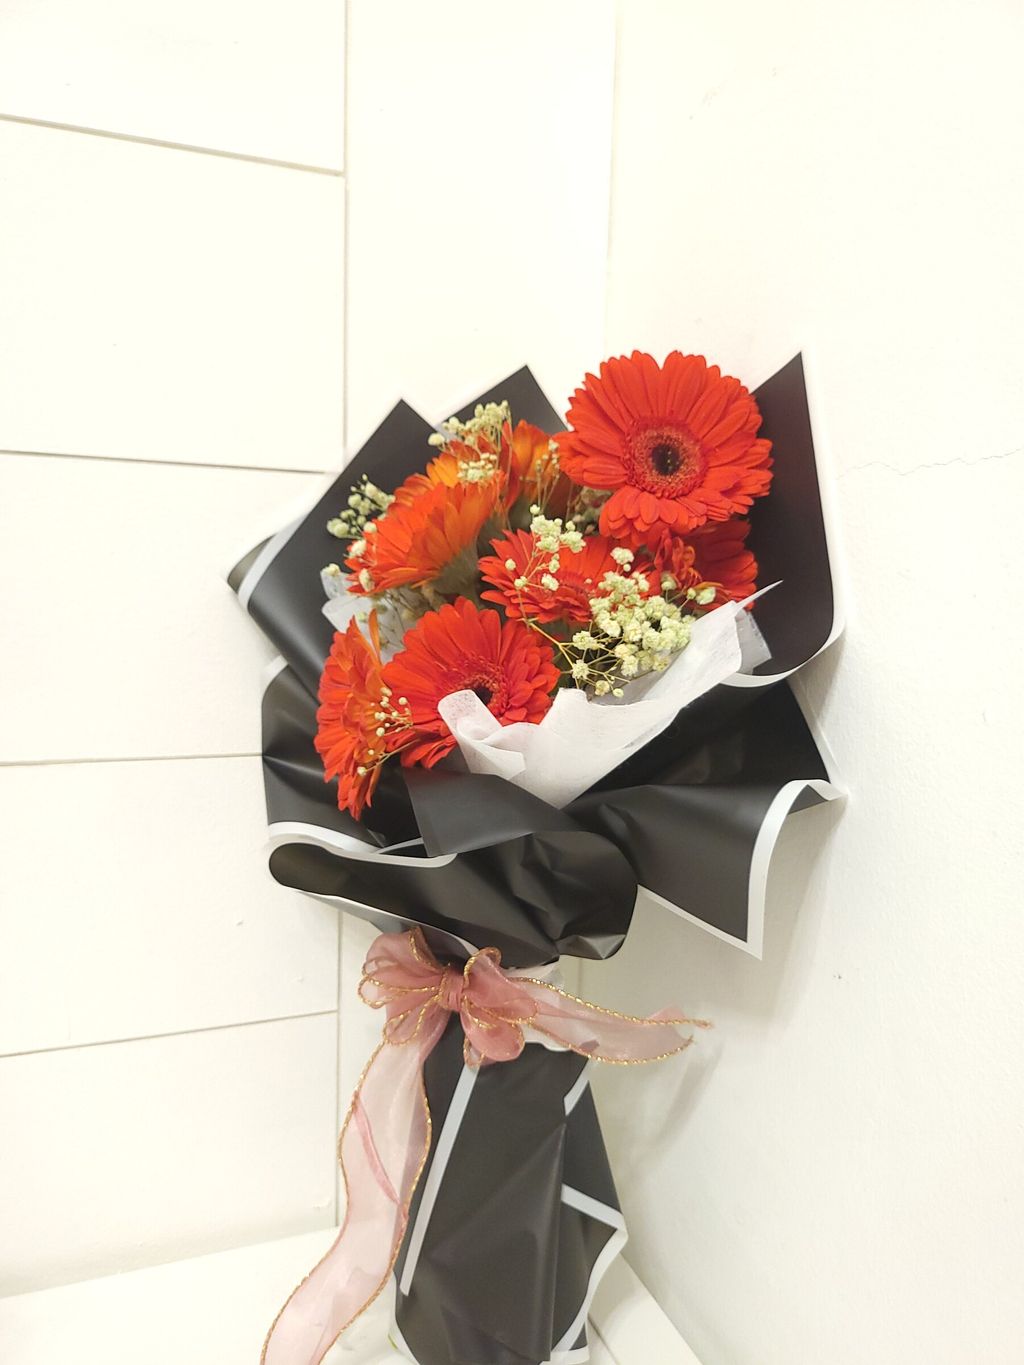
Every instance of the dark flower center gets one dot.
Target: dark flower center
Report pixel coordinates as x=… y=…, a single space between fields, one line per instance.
x=664 y=458
x=484 y=692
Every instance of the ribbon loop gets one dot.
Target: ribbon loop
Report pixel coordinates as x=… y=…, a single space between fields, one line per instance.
x=385 y=1140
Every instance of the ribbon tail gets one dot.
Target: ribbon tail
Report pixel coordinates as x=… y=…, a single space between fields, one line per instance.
x=606 y=1035
x=382 y=1150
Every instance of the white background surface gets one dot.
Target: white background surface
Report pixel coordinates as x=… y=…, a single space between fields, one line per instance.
x=836 y=1174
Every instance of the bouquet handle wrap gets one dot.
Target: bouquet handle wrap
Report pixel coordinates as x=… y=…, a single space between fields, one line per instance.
x=385 y=1142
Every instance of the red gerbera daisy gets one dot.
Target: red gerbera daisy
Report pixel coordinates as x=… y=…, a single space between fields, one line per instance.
x=355 y=716
x=578 y=577
x=460 y=648
x=678 y=443
x=715 y=555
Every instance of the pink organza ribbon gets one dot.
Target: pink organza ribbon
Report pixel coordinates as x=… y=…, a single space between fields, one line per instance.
x=386 y=1136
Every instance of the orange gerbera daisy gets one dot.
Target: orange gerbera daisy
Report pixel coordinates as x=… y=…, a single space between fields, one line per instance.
x=534 y=470
x=578 y=577
x=716 y=555
x=677 y=442
x=354 y=716
x=414 y=541
x=461 y=647
x=443 y=469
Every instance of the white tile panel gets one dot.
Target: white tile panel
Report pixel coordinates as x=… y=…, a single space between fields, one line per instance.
x=264 y=79
x=120 y=635
x=479 y=156
x=137 y=901
x=130 y=1154
x=163 y=305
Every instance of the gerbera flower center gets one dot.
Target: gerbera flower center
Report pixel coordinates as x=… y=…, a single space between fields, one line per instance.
x=478 y=677
x=664 y=459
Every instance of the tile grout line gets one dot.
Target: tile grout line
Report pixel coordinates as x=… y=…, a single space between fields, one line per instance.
x=345 y=326
x=168 y=464
x=173 y=1033
x=140 y=140
x=130 y=758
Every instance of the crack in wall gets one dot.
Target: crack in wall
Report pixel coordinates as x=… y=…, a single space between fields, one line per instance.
x=930 y=464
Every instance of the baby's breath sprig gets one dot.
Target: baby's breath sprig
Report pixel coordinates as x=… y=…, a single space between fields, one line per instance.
x=477 y=441
x=699 y=596
x=632 y=631
x=366 y=503
x=546 y=472
x=392 y=716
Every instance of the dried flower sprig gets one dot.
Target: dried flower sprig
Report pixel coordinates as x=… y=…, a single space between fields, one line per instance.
x=366 y=503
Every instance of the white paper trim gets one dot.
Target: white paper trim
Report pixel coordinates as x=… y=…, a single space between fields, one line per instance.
x=442 y=1153
x=296 y=832
x=574 y=1096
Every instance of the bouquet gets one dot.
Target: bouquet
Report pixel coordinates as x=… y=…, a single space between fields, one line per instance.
x=530 y=684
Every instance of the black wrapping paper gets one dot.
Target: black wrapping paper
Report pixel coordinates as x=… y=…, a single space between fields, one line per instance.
x=505 y=1263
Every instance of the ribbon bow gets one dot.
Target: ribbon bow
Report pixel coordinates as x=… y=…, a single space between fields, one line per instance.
x=385 y=1139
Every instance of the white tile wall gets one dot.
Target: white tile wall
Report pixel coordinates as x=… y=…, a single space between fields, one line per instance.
x=137 y=898
x=129 y=1154
x=168 y=1015
x=264 y=79
x=165 y=305
x=479 y=157
x=129 y=641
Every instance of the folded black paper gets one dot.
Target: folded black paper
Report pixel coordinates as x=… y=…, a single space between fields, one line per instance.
x=684 y=818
